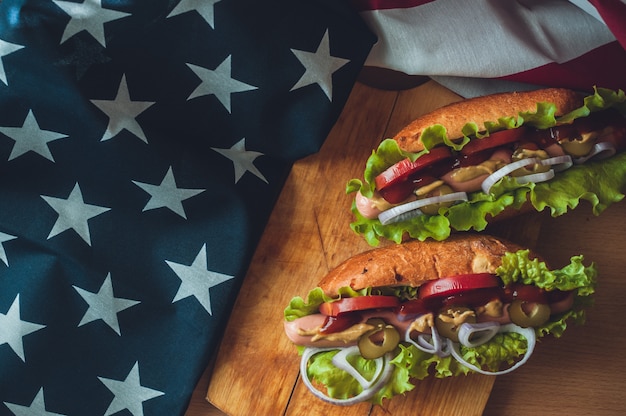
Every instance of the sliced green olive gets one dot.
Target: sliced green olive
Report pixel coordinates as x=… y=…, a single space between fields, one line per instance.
x=371 y=349
x=579 y=146
x=538 y=314
x=449 y=320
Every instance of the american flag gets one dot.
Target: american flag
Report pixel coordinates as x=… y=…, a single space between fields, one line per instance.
x=143 y=144
x=479 y=47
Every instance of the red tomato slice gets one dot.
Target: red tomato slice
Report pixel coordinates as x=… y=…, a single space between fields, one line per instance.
x=526 y=293
x=400 y=191
x=333 y=324
x=405 y=168
x=358 y=303
x=454 y=285
x=555 y=296
x=472 y=298
x=497 y=139
x=412 y=307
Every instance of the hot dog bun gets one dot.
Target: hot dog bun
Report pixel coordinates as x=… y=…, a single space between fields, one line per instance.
x=483 y=109
x=415 y=262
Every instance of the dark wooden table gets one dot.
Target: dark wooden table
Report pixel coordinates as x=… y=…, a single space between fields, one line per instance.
x=256 y=369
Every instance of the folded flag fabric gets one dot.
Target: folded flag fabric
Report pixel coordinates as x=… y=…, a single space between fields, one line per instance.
x=480 y=47
x=142 y=146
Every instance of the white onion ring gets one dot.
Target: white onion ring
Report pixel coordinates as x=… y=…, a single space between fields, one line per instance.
x=599 y=151
x=505 y=170
x=340 y=360
x=558 y=163
x=383 y=374
x=484 y=330
x=535 y=177
x=432 y=344
x=411 y=209
x=528 y=333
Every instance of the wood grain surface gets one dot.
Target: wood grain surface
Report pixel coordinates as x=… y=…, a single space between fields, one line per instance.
x=256 y=368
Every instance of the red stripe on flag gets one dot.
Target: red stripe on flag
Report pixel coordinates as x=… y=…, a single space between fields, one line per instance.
x=604 y=66
x=368 y=5
x=614 y=15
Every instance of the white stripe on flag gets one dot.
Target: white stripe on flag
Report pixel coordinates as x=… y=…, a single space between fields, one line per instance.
x=481 y=39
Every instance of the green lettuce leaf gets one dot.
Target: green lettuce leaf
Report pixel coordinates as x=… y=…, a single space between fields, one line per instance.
x=602 y=98
x=583 y=182
x=420 y=364
x=502 y=348
x=339 y=383
x=559 y=195
x=298 y=307
x=519 y=267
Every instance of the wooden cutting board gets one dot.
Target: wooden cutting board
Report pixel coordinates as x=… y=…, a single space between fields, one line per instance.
x=256 y=369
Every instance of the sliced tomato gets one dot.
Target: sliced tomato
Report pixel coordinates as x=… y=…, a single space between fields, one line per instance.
x=397 y=192
x=453 y=285
x=405 y=168
x=472 y=298
x=473 y=159
x=412 y=307
x=555 y=296
x=497 y=139
x=526 y=293
x=358 y=303
x=400 y=191
x=334 y=324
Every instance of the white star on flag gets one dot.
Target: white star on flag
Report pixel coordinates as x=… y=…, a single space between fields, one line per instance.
x=104 y=305
x=243 y=160
x=129 y=394
x=167 y=194
x=122 y=112
x=197 y=280
x=3 y=239
x=88 y=15
x=13 y=329
x=203 y=7
x=30 y=137
x=73 y=213
x=5 y=49
x=319 y=67
x=37 y=407
x=218 y=82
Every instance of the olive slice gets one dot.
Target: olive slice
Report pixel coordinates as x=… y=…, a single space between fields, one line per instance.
x=370 y=349
x=449 y=320
x=538 y=314
x=579 y=146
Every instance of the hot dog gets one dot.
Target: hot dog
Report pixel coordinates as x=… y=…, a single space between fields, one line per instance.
x=390 y=316
x=474 y=161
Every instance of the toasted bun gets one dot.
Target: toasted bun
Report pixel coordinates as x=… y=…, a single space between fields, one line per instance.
x=482 y=109
x=415 y=262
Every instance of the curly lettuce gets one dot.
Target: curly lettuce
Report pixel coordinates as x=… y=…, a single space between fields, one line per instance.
x=299 y=307
x=559 y=195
